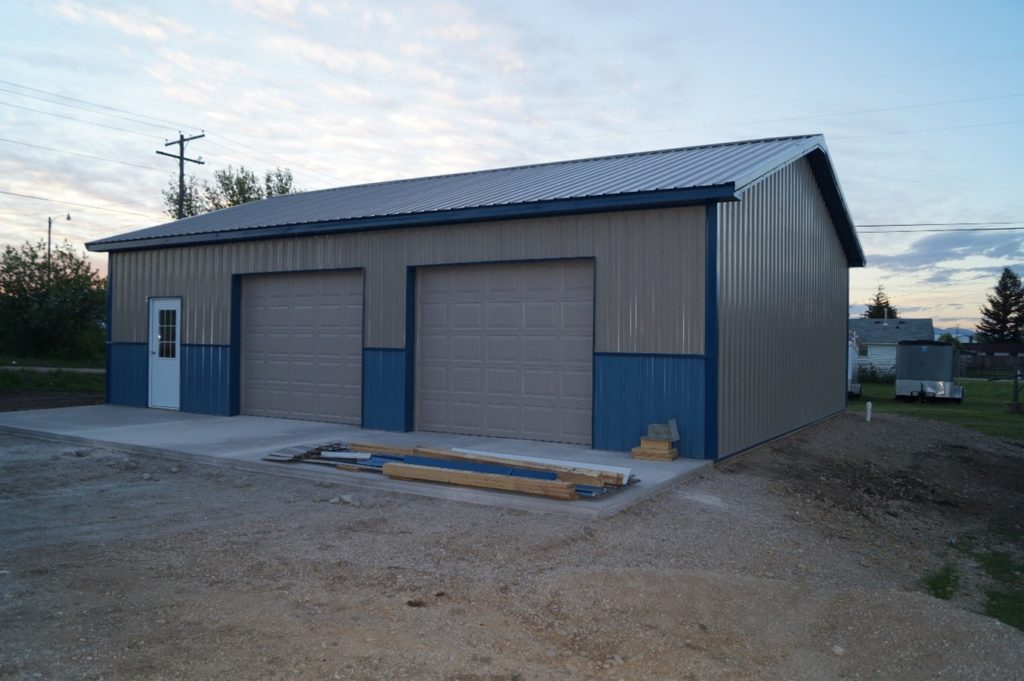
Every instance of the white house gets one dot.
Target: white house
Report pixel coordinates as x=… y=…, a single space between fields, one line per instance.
x=878 y=339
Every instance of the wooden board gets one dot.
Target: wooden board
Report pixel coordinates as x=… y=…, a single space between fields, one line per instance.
x=654 y=454
x=555 y=489
x=381 y=449
x=618 y=473
x=655 y=443
x=577 y=476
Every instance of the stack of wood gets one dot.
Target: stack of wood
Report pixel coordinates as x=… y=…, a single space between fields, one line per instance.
x=551 y=478
x=655 y=449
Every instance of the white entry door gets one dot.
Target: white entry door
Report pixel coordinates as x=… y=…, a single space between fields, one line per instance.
x=164 y=352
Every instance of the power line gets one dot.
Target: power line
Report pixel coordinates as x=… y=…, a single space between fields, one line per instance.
x=941 y=224
x=75 y=153
x=785 y=119
x=939 y=231
x=79 y=120
x=144 y=122
x=101 y=106
x=71 y=203
x=917 y=130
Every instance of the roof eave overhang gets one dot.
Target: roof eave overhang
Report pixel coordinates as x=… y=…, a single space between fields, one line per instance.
x=813 y=148
x=592 y=204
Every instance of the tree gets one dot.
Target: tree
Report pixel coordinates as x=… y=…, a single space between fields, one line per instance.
x=1002 y=319
x=195 y=197
x=230 y=187
x=947 y=337
x=880 y=307
x=50 y=310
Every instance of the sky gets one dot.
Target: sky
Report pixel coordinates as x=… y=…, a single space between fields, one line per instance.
x=921 y=105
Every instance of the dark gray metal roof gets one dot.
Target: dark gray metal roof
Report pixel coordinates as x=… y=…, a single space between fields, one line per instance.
x=891 y=331
x=623 y=182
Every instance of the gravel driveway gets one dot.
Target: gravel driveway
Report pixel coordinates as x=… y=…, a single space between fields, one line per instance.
x=801 y=560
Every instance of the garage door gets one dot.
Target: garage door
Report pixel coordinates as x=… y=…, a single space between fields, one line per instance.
x=302 y=346
x=506 y=350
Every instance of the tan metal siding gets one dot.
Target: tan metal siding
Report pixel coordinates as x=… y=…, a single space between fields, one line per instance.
x=782 y=307
x=649 y=270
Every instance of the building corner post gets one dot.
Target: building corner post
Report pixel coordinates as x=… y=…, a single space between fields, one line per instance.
x=711 y=330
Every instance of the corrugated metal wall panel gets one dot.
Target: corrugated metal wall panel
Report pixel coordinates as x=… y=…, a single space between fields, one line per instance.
x=633 y=391
x=649 y=269
x=783 y=288
x=128 y=374
x=206 y=379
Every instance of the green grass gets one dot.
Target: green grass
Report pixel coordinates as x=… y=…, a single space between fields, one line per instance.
x=1006 y=606
x=7 y=359
x=944 y=583
x=52 y=381
x=1006 y=603
x=1001 y=566
x=983 y=408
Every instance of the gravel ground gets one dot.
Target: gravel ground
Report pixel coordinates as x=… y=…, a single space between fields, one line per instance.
x=800 y=560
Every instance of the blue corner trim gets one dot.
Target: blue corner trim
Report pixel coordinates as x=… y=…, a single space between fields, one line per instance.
x=110 y=326
x=384 y=389
x=711 y=331
x=410 y=348
x=206 y=379
x=634 y=390
x=593 y=204
x=235 y=348
x=128 y=374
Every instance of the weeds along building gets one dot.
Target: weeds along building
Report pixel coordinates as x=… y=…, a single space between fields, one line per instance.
x=568 y=302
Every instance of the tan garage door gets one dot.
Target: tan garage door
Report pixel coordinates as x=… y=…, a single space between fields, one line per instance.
x=506 y=350
x=302 y=346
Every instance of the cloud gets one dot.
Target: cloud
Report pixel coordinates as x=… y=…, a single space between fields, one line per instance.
x=135 y=22
x=271 y=10
x=332 y=58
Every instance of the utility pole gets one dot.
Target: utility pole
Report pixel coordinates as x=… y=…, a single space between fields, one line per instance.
x=49 y=240
x=180 y=156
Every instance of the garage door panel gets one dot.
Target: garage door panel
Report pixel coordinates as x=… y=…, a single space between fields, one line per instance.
x=466 y=379
x=466 y=316
x=468 y=348
x=536 y=368
x=542 y=349
x=302 y=346
x=577 y=316
x=504 y=315
x=540 y=315
x=501 y=348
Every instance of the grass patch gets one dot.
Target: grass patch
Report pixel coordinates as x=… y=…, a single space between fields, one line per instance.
x=1006 y=606
x=1001 y=566
x=983 y=408
x=944 y=583
x=51 y=381
x=7 y=359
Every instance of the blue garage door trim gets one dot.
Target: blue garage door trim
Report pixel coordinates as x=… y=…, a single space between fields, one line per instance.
x=634 y=390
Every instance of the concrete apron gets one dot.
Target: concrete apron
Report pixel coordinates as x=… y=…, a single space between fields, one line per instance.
x=240 y=442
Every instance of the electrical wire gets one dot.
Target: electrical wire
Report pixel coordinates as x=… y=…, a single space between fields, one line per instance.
x=75 y=153
x=81 y=120
x=71 y=203
x=939 y=231
x=279 y=159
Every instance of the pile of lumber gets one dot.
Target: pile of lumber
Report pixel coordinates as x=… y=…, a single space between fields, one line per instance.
x=550 y=478
x=655 y=449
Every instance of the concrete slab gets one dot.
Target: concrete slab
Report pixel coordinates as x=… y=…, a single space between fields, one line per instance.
x=241 y=441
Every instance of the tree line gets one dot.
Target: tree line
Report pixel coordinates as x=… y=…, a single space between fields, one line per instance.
x=1002 y=316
